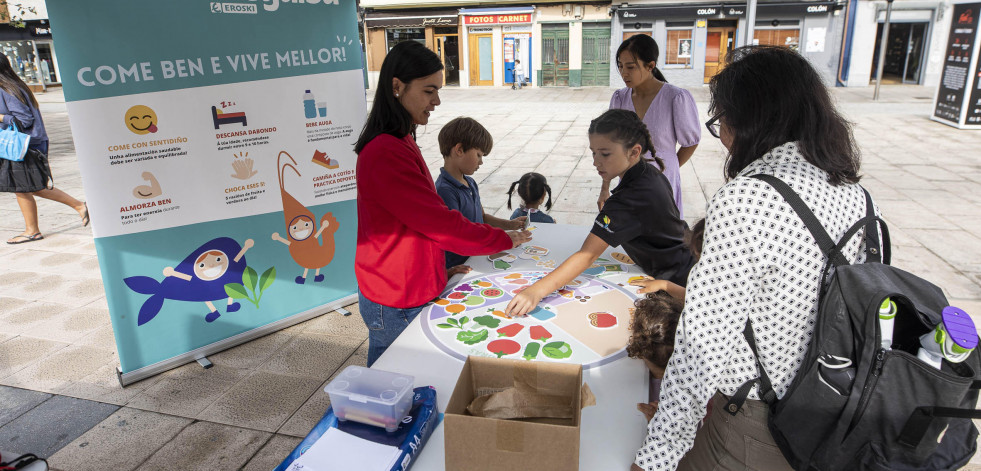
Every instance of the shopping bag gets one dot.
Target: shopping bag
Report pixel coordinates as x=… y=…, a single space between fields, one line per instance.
x=13 y=143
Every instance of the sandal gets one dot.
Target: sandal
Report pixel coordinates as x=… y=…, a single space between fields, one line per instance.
x=20 y=239
x=85 y=215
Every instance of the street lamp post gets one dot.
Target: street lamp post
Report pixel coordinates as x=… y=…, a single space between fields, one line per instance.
x=882 y=50
x=750 y=22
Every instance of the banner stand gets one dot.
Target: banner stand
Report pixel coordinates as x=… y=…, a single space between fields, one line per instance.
x=125 y=379
x=218 y=167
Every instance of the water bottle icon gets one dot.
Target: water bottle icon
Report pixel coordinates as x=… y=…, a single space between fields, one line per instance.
x=309 y=105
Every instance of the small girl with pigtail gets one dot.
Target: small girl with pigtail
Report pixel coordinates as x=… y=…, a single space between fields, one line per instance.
x=640 y=214
x=532 y=189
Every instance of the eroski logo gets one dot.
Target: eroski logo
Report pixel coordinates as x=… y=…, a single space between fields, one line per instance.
x=268 y=5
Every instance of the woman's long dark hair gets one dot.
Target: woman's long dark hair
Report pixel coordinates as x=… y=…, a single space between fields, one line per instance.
x=12 y=84
x=644 y=49
x=625 y=128
x=407 y=61
x=768 y=96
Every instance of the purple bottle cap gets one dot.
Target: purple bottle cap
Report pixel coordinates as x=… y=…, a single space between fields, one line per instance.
x=960 y=327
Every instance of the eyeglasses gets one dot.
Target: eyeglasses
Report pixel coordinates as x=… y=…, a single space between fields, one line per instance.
x=713 y=125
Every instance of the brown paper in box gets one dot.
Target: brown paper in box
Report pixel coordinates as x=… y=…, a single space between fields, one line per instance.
x=524 y=402
x=491 y=444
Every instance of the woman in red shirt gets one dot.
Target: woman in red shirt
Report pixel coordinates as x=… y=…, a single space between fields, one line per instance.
x=403 y=225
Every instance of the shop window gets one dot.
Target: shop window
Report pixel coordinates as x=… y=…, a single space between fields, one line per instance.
x=22 y=60
x=679 y=47
x=394 y=36
x=789 y=38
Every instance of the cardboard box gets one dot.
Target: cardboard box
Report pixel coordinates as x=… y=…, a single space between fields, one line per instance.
x=479 y=443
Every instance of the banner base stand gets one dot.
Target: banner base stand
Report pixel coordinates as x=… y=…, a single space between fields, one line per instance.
x=343 y=312
x=202 y=353
x=205 y=363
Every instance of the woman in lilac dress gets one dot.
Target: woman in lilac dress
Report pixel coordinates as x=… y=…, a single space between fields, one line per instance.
x=668 y=111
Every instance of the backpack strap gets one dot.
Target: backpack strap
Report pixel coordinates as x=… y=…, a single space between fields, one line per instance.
x=767 y=394
x=872 y=225
x=824 y=241
x=830 y=249
x=920 y=420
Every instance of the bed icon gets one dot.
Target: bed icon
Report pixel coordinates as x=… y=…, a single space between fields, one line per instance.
x=226 y=118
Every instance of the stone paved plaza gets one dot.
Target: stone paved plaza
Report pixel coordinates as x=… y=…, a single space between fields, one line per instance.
x=59 y=394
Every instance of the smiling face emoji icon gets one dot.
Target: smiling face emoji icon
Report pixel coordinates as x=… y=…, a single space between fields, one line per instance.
x=141 y=119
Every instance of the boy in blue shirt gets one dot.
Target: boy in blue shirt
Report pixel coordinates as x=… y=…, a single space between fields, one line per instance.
x=464 y=142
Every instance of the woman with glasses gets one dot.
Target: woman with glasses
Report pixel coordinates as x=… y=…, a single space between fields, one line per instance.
x=759 y=262
x=668 y=112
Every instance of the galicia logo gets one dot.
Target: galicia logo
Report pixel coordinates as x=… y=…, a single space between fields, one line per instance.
x=627 y=14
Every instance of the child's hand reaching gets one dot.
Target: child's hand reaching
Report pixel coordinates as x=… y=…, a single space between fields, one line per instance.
x=457 y=270
x=517 y=223
x=648 y=409
x=650 y=285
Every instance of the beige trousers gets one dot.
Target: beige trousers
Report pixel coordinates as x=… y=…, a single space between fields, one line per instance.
x=735 y=443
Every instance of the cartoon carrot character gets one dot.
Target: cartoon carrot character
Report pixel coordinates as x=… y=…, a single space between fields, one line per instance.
x=303 y=237
x=503 y=347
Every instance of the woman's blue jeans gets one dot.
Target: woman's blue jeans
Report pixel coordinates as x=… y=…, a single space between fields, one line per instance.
x=384 y=324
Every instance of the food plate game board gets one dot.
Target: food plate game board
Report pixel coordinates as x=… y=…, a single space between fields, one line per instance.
x=585 y=322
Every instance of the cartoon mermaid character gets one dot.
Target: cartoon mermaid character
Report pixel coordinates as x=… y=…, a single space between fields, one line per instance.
x=304 y=244
x=201 y=277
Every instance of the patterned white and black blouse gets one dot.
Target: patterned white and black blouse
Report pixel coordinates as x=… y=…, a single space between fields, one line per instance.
x=758 y=260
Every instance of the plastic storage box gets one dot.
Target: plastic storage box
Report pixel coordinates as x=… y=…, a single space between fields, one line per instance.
x=372 y=397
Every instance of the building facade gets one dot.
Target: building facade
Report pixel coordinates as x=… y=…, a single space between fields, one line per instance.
x=560 y=44
x=26 y=41
x=695 y=38
x=915 y=48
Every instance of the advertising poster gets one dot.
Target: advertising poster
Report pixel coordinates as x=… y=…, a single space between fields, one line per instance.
x=215 y=142
x=956 y=79
x=974 y=103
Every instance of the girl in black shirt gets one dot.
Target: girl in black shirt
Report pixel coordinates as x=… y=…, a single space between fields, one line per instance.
x=640 y=214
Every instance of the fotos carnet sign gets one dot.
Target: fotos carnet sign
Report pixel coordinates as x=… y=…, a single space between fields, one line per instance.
x=497 y=19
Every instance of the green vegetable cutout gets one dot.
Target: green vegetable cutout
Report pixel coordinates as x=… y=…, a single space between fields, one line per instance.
x=501 y=265
x=471 y=337
x=557 y=350
x=251 y=281
x=503 y=347
x=452 y=323
x=531 y=351
x=509 y=330
x=487 y=321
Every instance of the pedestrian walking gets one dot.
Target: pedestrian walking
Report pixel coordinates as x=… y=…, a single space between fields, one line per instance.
x=32 y=176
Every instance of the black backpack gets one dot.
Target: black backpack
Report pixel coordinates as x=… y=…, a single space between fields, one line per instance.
x=884 y=409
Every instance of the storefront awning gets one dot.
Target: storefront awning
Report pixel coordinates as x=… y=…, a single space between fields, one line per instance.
x=413 y=19
x=720 y=10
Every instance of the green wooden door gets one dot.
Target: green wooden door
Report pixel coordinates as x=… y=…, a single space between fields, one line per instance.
x=555 y=55
x=595 y=54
